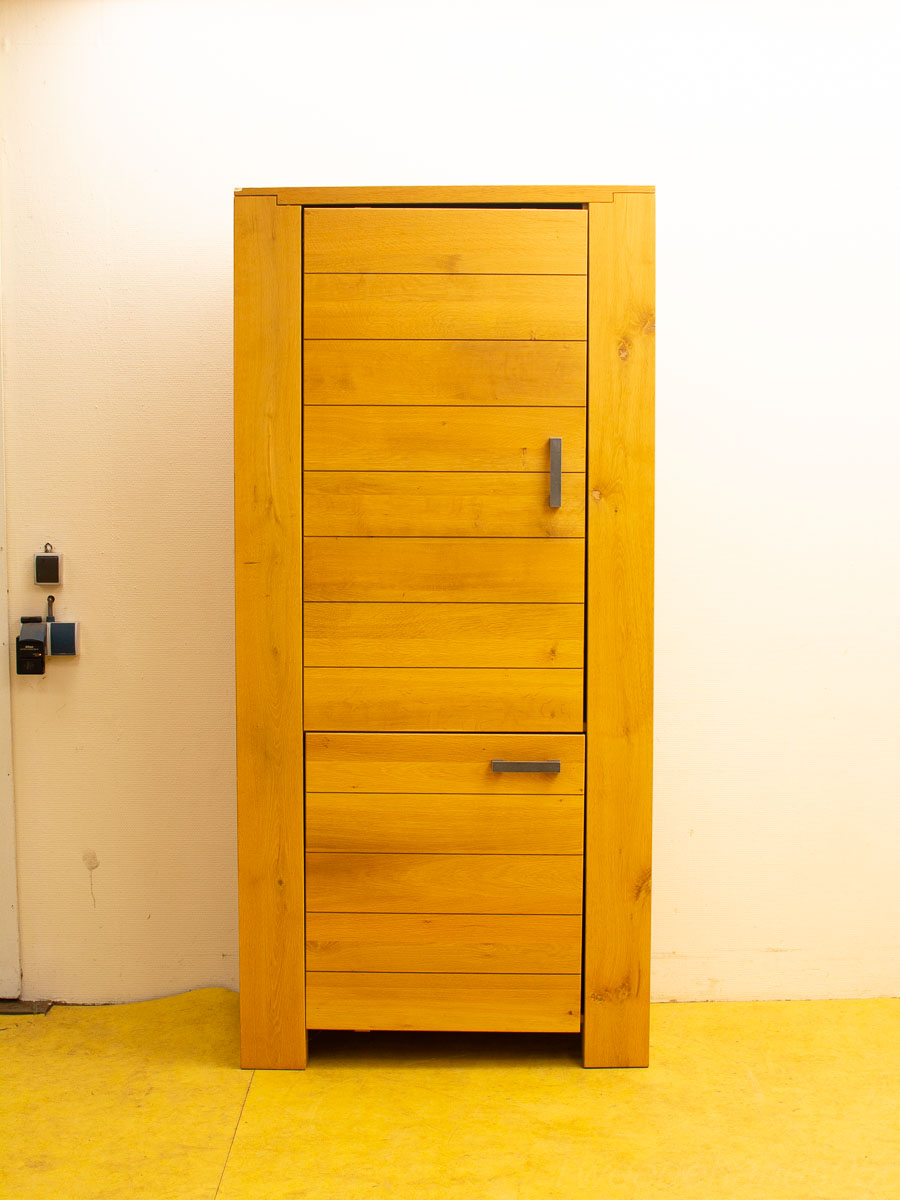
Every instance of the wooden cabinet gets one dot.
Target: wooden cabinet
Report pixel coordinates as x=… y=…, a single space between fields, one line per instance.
x=443 y=512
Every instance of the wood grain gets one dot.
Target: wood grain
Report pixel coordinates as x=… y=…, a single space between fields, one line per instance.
x=456 y=194
x=268 y=582
x=473 y=372
x=377 y=822
x=443 y=635
x=381 y=438
x=444 y=762
x=620 y=634
x=438 y=569
x=514 y=1003
x=543 y=307
x=525 y=241
x=440 y=504
x=443 y=883
x=443 y=698
x=443 y=942
x=439 y=699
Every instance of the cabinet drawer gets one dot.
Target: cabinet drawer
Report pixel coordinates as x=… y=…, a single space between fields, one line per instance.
x=443 y=635
x=422 y=698
x=492 y=570
x=513 y=1003
x=373 y=371
x=493 y=943
x=374 y=438
x=440 y=504
x=452 y=763
x=379 y=822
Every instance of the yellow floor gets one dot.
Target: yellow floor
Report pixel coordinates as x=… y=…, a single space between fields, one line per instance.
x=794 y=1100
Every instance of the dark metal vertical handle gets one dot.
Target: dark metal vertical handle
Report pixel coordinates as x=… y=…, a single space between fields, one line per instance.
x=556 y=472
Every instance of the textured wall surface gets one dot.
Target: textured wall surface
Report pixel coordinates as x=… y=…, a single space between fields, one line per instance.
x=125 y=127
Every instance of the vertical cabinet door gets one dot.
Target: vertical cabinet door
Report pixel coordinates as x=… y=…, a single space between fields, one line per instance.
x=444 y=353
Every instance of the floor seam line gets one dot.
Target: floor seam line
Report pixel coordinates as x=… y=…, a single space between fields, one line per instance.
x=234 y=1135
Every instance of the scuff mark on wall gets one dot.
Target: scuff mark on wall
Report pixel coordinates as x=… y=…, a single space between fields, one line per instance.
x=92 y=862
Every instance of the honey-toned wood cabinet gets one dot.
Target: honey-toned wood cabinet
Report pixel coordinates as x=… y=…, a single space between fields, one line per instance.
x=444 y=553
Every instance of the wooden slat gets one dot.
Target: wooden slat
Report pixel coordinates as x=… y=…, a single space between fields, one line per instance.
x=268 y=582
x=443 y=698
x=524 y=241
x=374 y=438
x=440 y=504
x=443 y=942
x=444 y=762
x=444 y=372
x=443 y=635
x=456 y=194
x=443 y=883
x=546 y=307
x=513 y=1003
x=620 y=635
x=425 y=569
x=377 y=822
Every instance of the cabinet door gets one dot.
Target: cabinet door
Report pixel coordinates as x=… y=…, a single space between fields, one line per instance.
x=443 y=350
x=444 y=873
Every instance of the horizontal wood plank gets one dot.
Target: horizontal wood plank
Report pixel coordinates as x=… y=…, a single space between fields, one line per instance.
x=444 y=762
x=512 y=1003
x=373 y=438
x=473 y=372
x=443 y=698
x=543 y=307
x=453 y=194
x=377 y=822
x=528 y=241
x=443 y=942
x=443 y=635
x=492 y=570
x=443 y=883
x=440 y=504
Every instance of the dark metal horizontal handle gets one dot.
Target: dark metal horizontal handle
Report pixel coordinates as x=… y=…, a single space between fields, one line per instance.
x=550 y=766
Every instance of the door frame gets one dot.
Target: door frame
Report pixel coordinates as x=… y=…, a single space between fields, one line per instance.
x=10 y=950
x=619 y=603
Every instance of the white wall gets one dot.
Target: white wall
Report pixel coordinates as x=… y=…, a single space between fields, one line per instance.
x=769 y=132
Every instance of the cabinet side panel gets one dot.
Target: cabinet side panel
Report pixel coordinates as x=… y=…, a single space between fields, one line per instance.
x=268 y=587
x=619 y=632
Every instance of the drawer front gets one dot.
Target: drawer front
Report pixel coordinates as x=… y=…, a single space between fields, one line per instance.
x=442 y=763
x=471 y=570
x=398 y=438
x=513 y=1003
x=493 y=943
x=458 y=909
x=390 y=822
x=440 y=504
x=464 y=241
x=411 y=698
x=443 y=883
x=443 y=635
x=479 y=372
x=526 y=307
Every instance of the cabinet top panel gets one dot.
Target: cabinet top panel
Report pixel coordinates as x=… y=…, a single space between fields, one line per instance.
x=493 y=194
